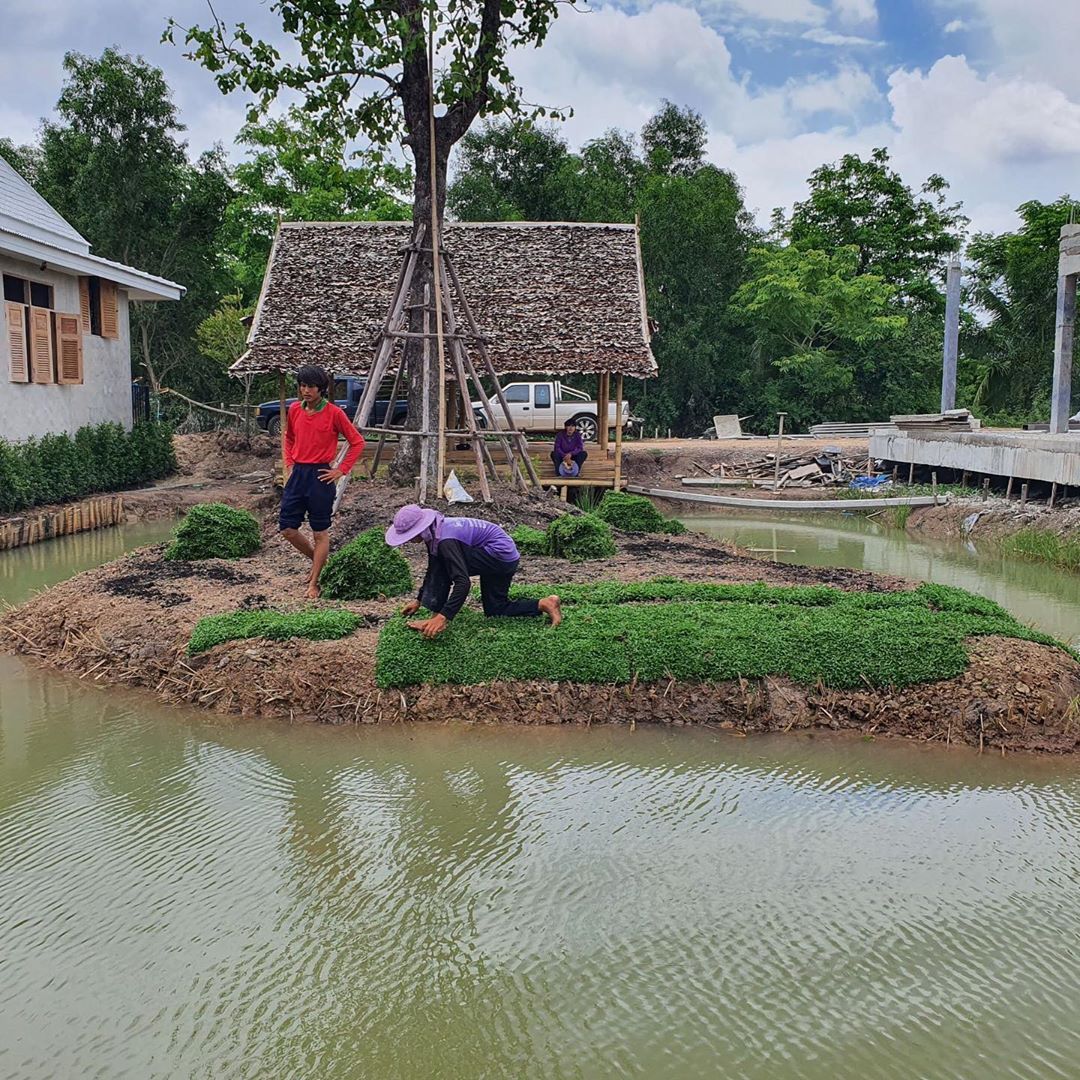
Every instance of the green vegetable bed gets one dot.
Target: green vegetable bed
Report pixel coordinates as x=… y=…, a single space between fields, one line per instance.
x=615 y=632
x=318 y=625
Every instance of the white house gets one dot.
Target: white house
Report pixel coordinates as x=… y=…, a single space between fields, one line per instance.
x=66 y=353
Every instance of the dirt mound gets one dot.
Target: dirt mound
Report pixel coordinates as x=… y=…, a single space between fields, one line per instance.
x=224 y=455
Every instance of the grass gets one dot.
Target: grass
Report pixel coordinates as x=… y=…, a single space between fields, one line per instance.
x=615 y=633
x=318 y=625
x=635 y=513
x=215 y=531
x=364 y=569
x=900 y=489
x=529 y=541
x=579 y=538
x=1042 y=545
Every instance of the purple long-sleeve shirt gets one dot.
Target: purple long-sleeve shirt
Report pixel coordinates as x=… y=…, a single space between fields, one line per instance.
x=466 y=547
x=568 y=444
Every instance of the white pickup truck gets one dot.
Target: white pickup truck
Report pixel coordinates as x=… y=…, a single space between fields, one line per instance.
x=546 y=406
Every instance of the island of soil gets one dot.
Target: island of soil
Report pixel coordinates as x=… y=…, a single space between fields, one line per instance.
x=130 y=623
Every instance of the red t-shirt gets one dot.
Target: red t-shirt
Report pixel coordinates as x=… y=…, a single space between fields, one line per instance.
x=312 y=437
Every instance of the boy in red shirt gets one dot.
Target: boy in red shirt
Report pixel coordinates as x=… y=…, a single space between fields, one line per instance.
x=312 y=427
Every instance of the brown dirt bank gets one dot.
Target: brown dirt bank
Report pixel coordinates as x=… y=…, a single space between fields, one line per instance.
x=996 y=519
x=128 y=623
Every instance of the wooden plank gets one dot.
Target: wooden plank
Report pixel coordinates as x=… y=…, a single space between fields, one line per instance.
x=110 y=310
x=69 y=348
x=41 y=345
x=18 y=355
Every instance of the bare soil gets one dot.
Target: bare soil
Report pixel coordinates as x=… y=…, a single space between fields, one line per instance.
x=128 y=623
x=995 y=520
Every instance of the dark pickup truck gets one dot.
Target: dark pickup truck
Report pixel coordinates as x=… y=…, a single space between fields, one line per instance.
x=269 y=419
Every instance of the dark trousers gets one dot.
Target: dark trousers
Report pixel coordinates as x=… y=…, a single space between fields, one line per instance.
x=495 y=578
x=579 y=458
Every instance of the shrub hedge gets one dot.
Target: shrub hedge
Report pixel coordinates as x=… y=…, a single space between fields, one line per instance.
x=635 y=513
x=319 y=625
x=365 y=569
x=215 y=531
x=104 y=457
x=614 y=633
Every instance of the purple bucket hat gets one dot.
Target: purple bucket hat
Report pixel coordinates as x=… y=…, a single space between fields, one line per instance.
x=409 y=522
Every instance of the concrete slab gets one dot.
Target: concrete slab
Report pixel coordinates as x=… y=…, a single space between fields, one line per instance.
x=1026 y=455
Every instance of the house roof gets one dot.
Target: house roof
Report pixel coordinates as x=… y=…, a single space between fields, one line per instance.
x=30 y=229
x=551 y=297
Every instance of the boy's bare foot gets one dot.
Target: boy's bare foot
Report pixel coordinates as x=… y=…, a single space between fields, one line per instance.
x=551 y=607
x=312 y=591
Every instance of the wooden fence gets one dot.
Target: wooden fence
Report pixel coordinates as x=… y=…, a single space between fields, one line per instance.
x=97 y=513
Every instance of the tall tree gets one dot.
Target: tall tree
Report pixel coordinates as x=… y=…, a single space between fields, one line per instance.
x=1009 y=352
x=113 y=165
x=363 y=71
x=674 y=140
x=292 y=173
x=817 y=325
x=25 y=160
x=900 y=235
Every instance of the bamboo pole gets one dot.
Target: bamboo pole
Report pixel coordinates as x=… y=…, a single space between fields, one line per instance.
x=618 y=430
x=436 y=240
x=603 y=397
x=425 y=398
x=283 y=421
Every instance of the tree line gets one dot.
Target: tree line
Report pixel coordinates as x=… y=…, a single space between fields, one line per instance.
x=833 y=312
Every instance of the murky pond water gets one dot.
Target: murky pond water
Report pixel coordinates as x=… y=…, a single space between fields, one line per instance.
x=1039 y=595
x=188 y=897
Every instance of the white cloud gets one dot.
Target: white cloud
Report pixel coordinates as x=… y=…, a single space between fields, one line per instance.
x=820 y=36
x=856 y=12
x=775 y=11
x=954 y=27
x=844 y=94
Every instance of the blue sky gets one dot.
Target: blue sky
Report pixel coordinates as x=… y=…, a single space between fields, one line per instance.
x=985 y=92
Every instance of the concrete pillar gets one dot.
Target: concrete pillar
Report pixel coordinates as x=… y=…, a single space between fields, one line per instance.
x=952 y=334
x=1068 y=269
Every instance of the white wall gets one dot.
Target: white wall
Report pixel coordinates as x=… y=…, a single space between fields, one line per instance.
x=29 y=409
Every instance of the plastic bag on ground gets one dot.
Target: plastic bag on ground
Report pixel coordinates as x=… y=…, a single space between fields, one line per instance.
x=454 y=491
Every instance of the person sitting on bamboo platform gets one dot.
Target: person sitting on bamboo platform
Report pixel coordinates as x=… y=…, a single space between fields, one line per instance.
x=312 y=427
x=569 y=454
x=458 y=549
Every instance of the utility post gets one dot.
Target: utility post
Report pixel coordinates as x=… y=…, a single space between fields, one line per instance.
x=952 y=334
x=1068 y=269
x=779 y=440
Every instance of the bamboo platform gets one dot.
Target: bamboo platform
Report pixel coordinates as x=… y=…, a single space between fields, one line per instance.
x=788 y=504
x=100 y=512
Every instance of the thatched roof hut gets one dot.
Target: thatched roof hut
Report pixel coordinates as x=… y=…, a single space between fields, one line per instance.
x=555 y=298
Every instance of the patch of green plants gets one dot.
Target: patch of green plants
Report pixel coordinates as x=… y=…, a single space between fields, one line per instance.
x=320 y=625
x=635 y=513
x=1042 y=545
x=615 y=633
x=529 y=541
x=579 y=538
x=215 y=531
x=900 y=489
x=102 y=457
x=366 y=568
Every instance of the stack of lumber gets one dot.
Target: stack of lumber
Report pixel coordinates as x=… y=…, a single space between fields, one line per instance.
x=953 y=420
x=840 y=430
x=805 y=469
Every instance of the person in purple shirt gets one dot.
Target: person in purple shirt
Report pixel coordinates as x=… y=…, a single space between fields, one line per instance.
x=569 y=454
x=459 y=549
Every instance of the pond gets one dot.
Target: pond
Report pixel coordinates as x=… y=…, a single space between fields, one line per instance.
x=189 y=896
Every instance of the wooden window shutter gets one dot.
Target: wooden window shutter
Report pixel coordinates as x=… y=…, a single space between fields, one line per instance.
x=18 y=359
x=41 y=345
x=110 y=315
x=69 y=348
x=84 y=303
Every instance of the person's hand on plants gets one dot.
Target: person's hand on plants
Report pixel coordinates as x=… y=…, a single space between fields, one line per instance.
x=430 y=627
x=411 y=608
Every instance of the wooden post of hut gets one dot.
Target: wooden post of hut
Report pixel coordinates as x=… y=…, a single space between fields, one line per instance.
x=282 y=420
x=618 y=430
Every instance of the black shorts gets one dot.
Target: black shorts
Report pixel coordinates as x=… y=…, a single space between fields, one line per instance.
x=306 y=495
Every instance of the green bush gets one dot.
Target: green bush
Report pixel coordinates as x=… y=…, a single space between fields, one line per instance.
x=275 y=625
x=579 y=537
x=104 y=457
x=529 y=541
x=635 y=513
x=365 y=569
x=215 y=531
x=1042 y=545
x=840 y=639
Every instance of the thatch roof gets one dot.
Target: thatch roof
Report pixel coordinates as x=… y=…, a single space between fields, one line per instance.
x=553 y=298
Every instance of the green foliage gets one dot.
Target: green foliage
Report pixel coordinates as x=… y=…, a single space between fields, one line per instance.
x=366 y=568
x=59 y=468
x=1042 y=545
x=114 y=165
x=529 y=541
x=617 y=633
x=635 y=513
x=321 y=625
x=215 y=531
x=579 y=537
